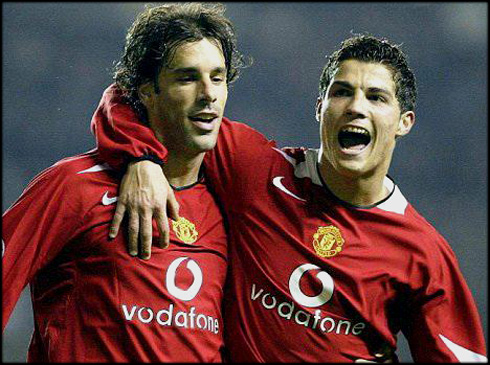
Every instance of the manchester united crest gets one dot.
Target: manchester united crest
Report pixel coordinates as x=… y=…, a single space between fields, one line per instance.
x=185 y=230
x=327 y=241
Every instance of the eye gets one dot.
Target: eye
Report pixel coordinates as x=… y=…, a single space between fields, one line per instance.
x=186 y=78
x=377 y=97
x=218 y=78
x=341 y=92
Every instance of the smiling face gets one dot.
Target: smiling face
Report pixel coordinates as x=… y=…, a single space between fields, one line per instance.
x=186 y=114
x=359 y=120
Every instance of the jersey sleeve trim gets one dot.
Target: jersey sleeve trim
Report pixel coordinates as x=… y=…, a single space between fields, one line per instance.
x=461 y=353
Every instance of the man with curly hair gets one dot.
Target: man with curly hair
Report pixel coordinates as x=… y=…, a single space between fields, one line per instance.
x=91 y=301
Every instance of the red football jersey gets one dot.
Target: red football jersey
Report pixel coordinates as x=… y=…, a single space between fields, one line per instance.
x=314 y=278
x=92 y=301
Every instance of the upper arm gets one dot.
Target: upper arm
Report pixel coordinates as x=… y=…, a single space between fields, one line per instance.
x=119 y=133
x=34 y=229
x=444 y=324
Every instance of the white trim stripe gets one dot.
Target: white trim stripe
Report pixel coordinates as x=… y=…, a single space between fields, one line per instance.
x=96 y=168
x=461 y=353
x=396 y=203
x=291 y=160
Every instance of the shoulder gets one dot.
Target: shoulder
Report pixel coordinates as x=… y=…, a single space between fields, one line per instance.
x=242 y=133
x=75 y=173
x=429 y=240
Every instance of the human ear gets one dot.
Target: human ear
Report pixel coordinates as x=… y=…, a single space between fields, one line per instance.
x=145 y=93
x=405 y=124
x=318 y=108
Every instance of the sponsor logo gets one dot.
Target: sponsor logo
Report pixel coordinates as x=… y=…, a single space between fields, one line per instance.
x=288 y=311
x=185 y=230
x=278 y=184
x=300 y=297
x=327 y=241
x=192 y=291
x=293 y=310
x=96 y=168
x=166 y=317
x=106 y=200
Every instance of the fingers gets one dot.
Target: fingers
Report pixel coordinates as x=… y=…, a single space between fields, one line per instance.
x=133 y=230
x=145 y=234
x=116 y=221
x=163 y=228
x=172 y=206
x=147 y=194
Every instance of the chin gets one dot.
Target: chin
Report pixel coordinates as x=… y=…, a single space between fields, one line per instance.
x=351 y=169
x=205 y=144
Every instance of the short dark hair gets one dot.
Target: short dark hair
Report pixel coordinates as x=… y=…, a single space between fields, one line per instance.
x=368 y=48
x=156 y=33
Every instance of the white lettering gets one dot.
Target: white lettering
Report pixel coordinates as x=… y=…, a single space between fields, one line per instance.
x=199 y=322
x=211 y=324
x=290 y=306
x=288 y=311
x=357 y=328
x=216 y=326
x=184 y=322
x=317 y=318
x=332 y=324
x=192 y=315
x=140 y=315
x=305 y=321
x=269 y=306
x=128 y=316
x=347 y=323
x=256 y=295
x=168 y=312
x=166 y=317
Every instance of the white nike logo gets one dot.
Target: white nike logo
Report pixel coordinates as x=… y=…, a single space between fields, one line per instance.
x=96 y=168
x=277 y=183
x=106 y=200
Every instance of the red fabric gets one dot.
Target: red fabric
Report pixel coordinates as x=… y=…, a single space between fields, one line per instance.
x=92 y=301
x=119 y=140
x=393 y=272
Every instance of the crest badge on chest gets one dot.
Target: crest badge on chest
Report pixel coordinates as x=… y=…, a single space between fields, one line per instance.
x=328 y=241
x=185 y=230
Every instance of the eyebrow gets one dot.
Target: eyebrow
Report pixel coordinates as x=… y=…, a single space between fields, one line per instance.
x=189 y=70
x=371 y=89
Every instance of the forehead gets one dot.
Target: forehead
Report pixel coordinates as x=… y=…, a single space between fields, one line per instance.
x=365 y=75
x=205 y=52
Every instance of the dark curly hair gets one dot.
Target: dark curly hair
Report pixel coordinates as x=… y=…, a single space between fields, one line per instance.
x=371 y=49
x=158 y=31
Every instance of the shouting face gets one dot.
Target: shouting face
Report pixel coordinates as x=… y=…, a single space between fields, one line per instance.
x=359 y=119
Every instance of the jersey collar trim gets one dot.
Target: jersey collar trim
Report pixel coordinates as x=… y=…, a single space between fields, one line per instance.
x=395 y=201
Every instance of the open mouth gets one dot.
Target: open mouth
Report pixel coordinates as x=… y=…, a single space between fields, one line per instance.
x=354 y=138
x=204 y=121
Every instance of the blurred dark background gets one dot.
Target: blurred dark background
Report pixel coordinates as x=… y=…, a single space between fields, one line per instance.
x=57 y=60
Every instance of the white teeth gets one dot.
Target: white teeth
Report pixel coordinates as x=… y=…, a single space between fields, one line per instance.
x=355 y=130
x=206 y=118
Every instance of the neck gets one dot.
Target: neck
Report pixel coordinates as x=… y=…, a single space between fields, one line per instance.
x=182 y=171
x=355 y=190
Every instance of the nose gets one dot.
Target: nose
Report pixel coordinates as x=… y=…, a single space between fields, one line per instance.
x=207 y=92
x=357 y=106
